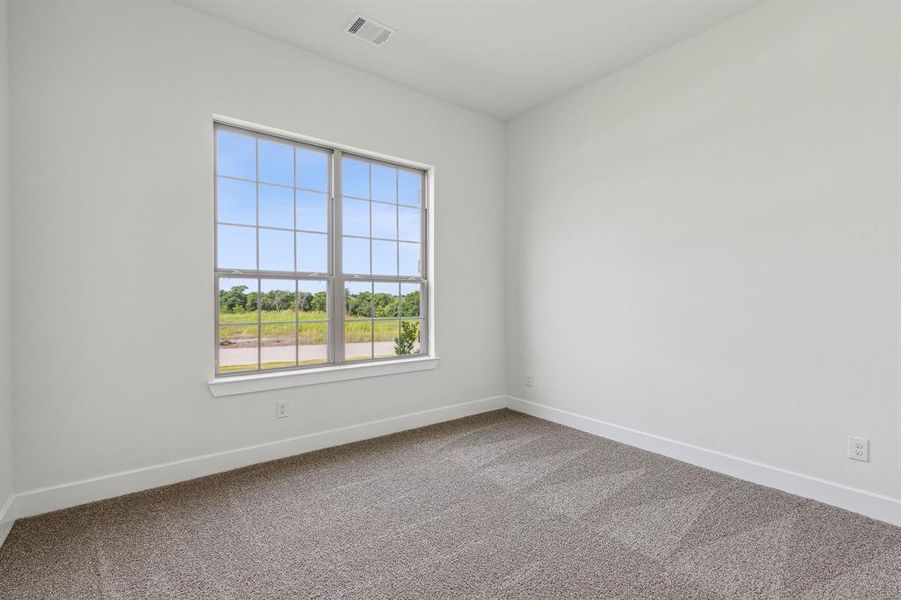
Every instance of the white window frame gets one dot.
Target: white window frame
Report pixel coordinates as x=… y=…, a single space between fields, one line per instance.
x=336 y=369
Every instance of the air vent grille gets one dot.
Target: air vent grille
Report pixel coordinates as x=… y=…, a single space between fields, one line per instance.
x=368 y=30
x=355 y=26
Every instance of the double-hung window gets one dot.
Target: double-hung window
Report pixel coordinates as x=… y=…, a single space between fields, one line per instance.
x=320 y=256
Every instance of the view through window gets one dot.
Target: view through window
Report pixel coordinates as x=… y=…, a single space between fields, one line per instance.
x=320 y=255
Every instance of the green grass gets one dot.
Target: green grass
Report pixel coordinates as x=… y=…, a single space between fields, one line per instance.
x=270 y=316
x=267 y=365
x=310 y=333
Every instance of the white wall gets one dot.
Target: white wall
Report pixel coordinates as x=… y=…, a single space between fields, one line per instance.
x=6 y=408
x=112 y=205
x=705 y=245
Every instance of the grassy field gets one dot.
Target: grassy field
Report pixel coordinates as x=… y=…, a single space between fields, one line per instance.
x=356 y=330
x=266 y=365
x=239 y=333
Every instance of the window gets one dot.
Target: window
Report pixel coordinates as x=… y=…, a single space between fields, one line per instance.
x=320 y=256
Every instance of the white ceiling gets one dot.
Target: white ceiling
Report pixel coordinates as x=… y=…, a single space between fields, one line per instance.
x=498 y=57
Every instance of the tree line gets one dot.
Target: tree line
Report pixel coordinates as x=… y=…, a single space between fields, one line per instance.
x=364 y=304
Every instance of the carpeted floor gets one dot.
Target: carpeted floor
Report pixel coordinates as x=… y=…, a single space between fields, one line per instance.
x=499 y=505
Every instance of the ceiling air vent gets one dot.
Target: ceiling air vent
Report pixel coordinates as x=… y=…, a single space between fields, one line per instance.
x=368 y=30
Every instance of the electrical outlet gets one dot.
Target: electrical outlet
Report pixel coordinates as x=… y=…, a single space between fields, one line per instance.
x=858 y=448
x=281 y=409
x=530 y=379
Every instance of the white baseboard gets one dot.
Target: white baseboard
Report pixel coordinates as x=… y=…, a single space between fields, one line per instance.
x=34 y=502
x=866 y=503
x=6 y=518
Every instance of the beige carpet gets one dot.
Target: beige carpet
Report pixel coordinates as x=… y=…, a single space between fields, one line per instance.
x=495 y=506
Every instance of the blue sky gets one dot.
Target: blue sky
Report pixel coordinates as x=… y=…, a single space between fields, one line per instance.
x=281 y=205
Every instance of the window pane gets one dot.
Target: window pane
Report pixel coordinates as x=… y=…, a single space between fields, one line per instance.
x=410 y=301
x=311 y=169
x=355 y=217
x=236 y=247
x=277 y=300
x=410 y=339
x=313 y=340
x=312 y=300
x=409 y=224
x=278 y=346
x=237 y=348
x=409 y=259
x=358 y=300
x=384 y=257
x=357 y=340
x=384 y=221
x=355 y=178
x=276 y=207
x=236 y=201
x=237 y=300
x=312 y=252
x=384 y=183
x=408 y=187
x=385 y=329
x=276 y=250
x=386 y=300
x=312 y=211
x=276 y=162
x=236 y=154
x=358 y=320
x=356 y=256
x=385 y=335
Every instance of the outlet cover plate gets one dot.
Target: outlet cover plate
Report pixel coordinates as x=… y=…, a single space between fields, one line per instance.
x=858 y=448
x=281 y=409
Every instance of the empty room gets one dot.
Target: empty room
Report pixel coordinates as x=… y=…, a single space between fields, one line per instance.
x=450 y=299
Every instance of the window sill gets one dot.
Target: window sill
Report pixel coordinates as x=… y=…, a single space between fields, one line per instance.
x=245 y=384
